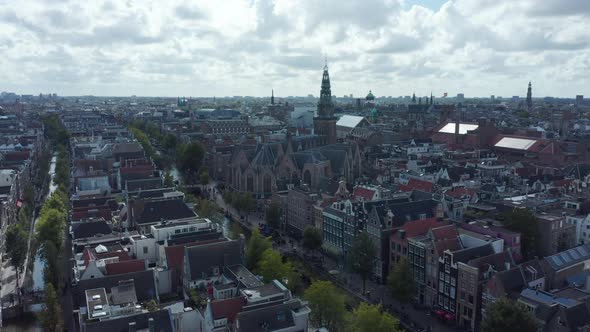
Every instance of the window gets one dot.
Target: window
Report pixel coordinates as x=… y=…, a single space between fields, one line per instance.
x=145 y=250
x=177 y=231
x=470 y=299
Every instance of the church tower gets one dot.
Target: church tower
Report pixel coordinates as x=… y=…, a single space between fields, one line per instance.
x=529 y=98
x=324 y=123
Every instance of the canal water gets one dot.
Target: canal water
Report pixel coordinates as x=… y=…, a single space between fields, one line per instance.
x=39 y=264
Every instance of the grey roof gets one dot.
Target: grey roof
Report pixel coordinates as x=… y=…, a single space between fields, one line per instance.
x=407 y=211
x=271 y=318
x=90 y=229
x=512 y=280
x=162 y=323
x=142 y=184
x=168 y=209
x=201 y=259
x=145 y=286
x=464 y=255
x=132 y=147
x=569 y=257
x=124 y=292
x=265 y=156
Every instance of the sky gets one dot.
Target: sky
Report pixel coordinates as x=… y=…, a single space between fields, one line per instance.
x=248 y=47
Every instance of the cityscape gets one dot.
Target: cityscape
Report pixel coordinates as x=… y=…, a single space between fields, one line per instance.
x=290 y=166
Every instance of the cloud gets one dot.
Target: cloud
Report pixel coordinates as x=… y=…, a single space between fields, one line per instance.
x=243 y=47
x=188 y=13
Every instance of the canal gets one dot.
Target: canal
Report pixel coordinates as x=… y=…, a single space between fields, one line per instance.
x=39 y=264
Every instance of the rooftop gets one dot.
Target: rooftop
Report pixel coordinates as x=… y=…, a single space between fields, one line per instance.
x=569 y=257
x=97 y=303
x=449 y=128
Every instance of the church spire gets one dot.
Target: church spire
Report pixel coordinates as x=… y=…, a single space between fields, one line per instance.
x=529 y=97
x=414 y=98
x=272 y=97
x=431 y=98
x=325 y=105
x=324 y=123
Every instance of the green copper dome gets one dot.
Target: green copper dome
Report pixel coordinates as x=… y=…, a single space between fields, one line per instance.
x=370 y=96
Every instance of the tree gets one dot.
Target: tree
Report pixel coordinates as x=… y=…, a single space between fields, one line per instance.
x=169 y=142
x=505 y=315
x=327 y=305
x=204 y=178
x=208 y=209
x=51 y=316
x=151 y=306
x=370 y=318
x=274 y=212
x=256 y=246
x=168 y=180
x=190 y=156
x=271 y=266
x=361 y=257
x=51 y=272
x=16 y=247
x=312 y=238
x=401 y=282
x=524 y=222
x=190 y=199
x=50 y=227
x=235 y=230
x=245 y=202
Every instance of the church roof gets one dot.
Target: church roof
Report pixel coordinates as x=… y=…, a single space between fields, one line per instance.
x=370 y=96
x=265 y=156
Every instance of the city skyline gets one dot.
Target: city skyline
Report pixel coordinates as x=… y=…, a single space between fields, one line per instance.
x=234 y=48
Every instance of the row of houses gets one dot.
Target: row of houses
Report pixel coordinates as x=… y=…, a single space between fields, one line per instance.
x=144 y=259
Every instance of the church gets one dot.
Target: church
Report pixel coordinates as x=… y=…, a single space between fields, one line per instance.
x=314 y=160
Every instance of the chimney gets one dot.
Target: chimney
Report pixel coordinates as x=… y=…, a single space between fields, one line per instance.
x=402 y=234
x=151 y=325
x=457 y=123
x=132 y=327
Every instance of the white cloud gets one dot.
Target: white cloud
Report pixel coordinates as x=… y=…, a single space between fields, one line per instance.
x=247 y=47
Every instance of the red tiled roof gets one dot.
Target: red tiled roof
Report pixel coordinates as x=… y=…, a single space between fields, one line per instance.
x=134 y=265
x=447 y=244
x=459 y=192
x=90 y=254
x=563 y=183
x=16 y=155
x=365 y=194
x=327 y=202
x=444 y=232
x=416 y=184
x=420 y=227
x=228 y=308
